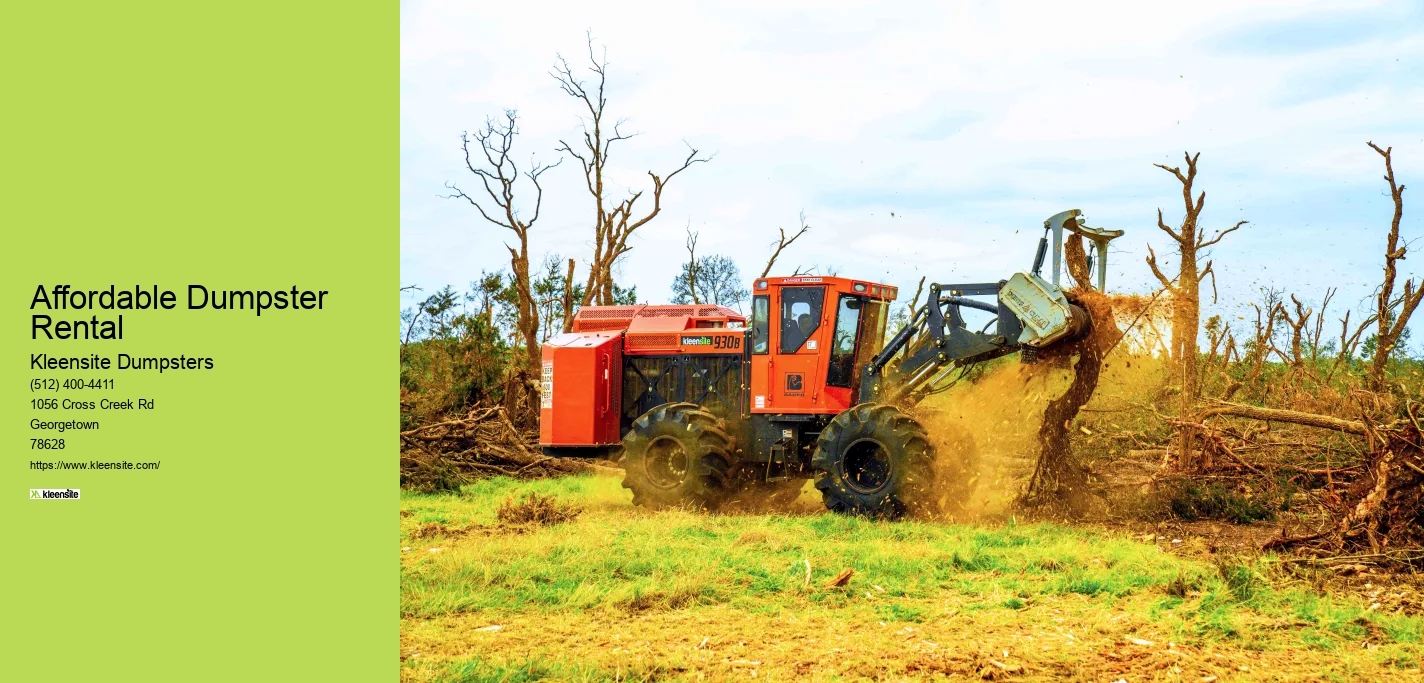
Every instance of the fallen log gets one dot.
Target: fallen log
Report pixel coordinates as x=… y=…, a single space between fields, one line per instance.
x=1279 y=415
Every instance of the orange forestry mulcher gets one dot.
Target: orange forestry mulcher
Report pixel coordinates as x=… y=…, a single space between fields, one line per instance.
x=700 y=402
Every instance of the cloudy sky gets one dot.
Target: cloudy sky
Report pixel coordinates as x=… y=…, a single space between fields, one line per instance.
x=934 y=138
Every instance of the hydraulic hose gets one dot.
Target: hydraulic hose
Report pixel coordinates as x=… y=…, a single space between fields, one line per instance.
x=969 y=303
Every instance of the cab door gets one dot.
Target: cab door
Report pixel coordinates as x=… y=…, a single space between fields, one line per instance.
x=795 y=370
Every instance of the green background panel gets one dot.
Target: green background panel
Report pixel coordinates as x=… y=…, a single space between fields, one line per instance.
x=238 y=146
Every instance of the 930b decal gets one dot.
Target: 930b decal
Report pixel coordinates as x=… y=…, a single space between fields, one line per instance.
x=719 y=342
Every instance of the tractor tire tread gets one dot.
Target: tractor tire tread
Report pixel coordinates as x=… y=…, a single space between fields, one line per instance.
x=910 y=450
x=702 y=436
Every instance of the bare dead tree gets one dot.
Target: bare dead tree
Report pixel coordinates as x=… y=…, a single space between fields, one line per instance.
x=1391 y=315
x=1349 y=342
x=1318 y=327
x=910 y=309
x=489 y=160
x=782 y=243
x=1261 y=344
x=614 y=221
x=919 y=289
x=692 y=263
x=1217 y=333
x=1219 y=355
x=415 y=316
x=568 y=300
x=1297 y=325
x=1186 y=295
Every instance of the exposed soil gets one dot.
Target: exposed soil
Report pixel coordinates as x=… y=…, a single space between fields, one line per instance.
x=1056 y=639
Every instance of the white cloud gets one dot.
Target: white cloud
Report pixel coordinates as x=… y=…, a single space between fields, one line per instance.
x=968 y=120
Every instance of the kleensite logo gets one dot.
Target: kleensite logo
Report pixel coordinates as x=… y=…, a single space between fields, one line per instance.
x=54 y=494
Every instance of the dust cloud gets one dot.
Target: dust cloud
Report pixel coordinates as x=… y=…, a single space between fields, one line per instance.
x=989 y=431
x=986 y=436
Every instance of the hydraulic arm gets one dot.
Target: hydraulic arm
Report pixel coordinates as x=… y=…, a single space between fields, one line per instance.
x=937 y=340
x=1029 y=313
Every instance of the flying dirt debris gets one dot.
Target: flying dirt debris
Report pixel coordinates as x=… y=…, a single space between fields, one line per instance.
x=703 y=404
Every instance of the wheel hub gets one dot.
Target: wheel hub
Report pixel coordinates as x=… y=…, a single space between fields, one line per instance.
x=867 y=466
x=666 y=463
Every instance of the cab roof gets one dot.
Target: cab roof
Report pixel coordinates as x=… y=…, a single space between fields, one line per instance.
x=656 y=318
x=873 y=290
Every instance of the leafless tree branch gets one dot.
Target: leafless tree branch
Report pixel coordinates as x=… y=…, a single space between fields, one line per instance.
x=692 y=262
x=1204 y=243
x=614 y=221
x=1391 y=316
x=499 y=176
x=1152 y=263
x=782 y=243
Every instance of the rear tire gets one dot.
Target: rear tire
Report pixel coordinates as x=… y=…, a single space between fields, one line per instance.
x=677 y=454
x=874 y=460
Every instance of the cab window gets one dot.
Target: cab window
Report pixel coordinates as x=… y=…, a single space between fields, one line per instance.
x=872 y=334
x=841 y=370
x=761 y=330
x=800 y=315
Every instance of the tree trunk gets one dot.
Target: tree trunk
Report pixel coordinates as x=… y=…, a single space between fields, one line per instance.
x=1186 y=314
x=1392 y=315
x=495 y=142
x=591 y=286
x=1186 y=301
x=1383 y=346
x=528 y=322
x=1059 y=481
x=569 y=299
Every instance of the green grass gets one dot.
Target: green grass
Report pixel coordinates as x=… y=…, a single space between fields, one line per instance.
x=638 y=560
x=620 y=562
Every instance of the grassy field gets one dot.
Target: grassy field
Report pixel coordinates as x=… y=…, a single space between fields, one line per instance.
x=620 y=593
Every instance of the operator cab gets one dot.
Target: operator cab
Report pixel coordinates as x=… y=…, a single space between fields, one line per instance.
x=810 y=337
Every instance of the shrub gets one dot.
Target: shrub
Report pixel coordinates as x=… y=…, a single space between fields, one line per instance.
x=1193 y=501
x=536 y=509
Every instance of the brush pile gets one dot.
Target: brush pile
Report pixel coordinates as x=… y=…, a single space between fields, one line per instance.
x=442 y=456
x=1380 y=516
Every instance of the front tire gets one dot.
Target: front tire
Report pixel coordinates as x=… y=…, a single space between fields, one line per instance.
x=677 y=454
x=874 y=460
